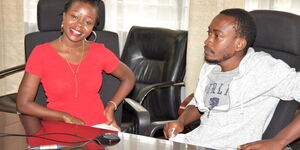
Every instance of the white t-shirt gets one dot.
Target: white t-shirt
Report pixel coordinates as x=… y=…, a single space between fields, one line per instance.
x=217 y=90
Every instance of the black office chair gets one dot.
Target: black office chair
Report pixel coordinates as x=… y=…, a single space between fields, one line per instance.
x=157 y=56
x=278 y=34
x=49 y=23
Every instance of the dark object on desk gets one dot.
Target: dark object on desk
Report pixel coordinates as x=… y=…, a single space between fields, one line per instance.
x=107 y=139
x=157 y=56
x=50 y=30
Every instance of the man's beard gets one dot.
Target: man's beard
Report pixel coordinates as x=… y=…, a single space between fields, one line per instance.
x=211 y=61
x=224 y=58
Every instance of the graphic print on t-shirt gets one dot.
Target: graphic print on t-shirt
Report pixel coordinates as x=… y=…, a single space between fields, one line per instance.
x=216 y=94
x=217 y=90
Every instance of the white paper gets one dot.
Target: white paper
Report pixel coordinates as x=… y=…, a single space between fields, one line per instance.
x=105 y=126
x=180 y=138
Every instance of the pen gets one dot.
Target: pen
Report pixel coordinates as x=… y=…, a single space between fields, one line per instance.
x=172 y=132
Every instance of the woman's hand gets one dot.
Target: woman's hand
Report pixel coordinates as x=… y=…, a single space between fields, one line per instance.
x=67 y=118
x=271 y=144
x=110 y=115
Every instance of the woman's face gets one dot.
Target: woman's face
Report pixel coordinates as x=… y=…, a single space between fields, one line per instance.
x=78 y=21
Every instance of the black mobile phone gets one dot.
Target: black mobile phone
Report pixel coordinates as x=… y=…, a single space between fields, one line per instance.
x=107 y=139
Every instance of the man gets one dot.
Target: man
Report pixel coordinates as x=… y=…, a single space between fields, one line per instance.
x=238 y=89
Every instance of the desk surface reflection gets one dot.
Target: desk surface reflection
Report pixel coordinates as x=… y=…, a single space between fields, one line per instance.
x=127 y=142
x=138 y=142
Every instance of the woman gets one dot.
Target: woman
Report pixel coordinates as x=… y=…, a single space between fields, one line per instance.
x=70 y=70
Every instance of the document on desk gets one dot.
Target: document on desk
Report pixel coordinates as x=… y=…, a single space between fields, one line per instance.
x=180 y=138
x=105 y=126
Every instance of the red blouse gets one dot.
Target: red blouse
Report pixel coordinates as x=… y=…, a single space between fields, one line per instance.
x=60 y=84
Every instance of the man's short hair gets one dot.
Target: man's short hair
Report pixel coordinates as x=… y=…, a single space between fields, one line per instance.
x=245 y=25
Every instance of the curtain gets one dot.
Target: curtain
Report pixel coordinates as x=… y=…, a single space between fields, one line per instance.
x=11 y=42
x=292 y=6
x=121 y=15
x=30 y=15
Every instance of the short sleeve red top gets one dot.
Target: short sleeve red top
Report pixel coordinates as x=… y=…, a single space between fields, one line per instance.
x=59 y=81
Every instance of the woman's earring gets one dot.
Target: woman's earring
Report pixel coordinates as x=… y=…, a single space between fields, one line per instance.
x=95 y=36
x=61 y=27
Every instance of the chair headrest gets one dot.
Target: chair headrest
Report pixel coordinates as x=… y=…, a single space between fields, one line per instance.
x=49 y=15
x=277 y=30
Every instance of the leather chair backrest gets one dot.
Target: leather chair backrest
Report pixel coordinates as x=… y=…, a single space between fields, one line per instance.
x=278 y=33
x=157 y=55
x=49 y=25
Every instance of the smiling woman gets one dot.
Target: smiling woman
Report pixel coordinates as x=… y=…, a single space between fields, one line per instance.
x=70 y=70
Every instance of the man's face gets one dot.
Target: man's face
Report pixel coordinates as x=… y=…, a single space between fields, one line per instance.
x=220 y=45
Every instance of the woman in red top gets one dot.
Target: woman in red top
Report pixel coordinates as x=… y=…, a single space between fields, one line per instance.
x=70 y=70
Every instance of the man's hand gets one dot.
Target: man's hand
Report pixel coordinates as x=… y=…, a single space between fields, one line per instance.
x=189 y=115
x=171 y=129
x=271 y=144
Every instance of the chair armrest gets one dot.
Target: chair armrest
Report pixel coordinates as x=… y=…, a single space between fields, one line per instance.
x=143 y=93
x=12 y=70
x=143 y=116
x=8 y=103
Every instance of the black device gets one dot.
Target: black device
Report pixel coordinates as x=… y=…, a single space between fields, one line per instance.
x=107 y=139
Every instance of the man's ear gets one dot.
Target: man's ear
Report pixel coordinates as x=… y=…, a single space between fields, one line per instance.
x=240 y=44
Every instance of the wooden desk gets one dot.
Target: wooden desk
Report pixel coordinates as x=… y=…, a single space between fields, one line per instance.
x=128 y=141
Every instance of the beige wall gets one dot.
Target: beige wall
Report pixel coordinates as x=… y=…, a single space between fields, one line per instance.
x=11 y=42
x=11 y=54
x=201 y=14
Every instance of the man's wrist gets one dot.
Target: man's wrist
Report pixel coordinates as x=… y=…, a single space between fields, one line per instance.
x=281 y=141
x=181 y=121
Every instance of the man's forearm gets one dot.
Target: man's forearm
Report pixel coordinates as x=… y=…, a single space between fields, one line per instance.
x=190 y=114
x=290 y=133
